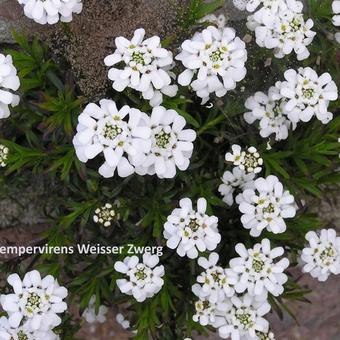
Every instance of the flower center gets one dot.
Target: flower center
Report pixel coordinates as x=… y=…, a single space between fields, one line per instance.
x=21 y=336
x=216 y=55
x=268 y=210
x=3 y=155
x=138 y=58
x=33 y=303
x=262 y=336
x=193 y=224
x=111 y=131
x=308 y=93
x=140 y=274
x=258 y=265
x=162 y=139
x=327 y=255
x=244 y=318
x=250 y=160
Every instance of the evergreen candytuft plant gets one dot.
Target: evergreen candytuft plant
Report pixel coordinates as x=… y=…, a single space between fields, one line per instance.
x=223 y=175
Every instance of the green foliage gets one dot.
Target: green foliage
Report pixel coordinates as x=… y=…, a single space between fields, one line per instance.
x=39 y=136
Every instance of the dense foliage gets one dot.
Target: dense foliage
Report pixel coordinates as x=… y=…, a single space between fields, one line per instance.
x=39 y=136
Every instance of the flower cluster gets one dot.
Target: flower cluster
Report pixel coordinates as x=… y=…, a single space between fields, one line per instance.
x=51 y=11
x=301 y=96
x=171 y=145
x=143 y=279
x=9 y=82
x=248 y=161
x=321 y=257
x=122 y=321
x=142 y=65
x=214 y=60
x=280 y=25
x=258 y=273
x=266 y=206
x=131 y=141
x=336 y=17
x=308 y=95
x=191 y=231
x=90 y=314
x=33 y=307
x=7 y=332
x=269 y=110
x=215 y=283
x=237 y=179
x=220 y=20
x=105 y=215
x=3 y=155
x=117 y=134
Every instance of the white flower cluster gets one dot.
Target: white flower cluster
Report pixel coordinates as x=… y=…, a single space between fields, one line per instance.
x=214 y=60
x=33 y=307
x=246 y=165
x=258 y=273
x=248 y=161
x=321 y=257
x=308 y=95
x=51 y=11
x=122 y=321
x=336 y=17
x=9 y=82
x=3 y=155
x=131 y=141
x=220 y=20
x=90 y=314
x=280 y=25
x=232 y=181
x=143 y=279
x=215 y=283
x=301 y=96
x=191 y=231
x=266 y=206
x=105 y=215
x=234 y=300
x=142 y=65
x=269 y=110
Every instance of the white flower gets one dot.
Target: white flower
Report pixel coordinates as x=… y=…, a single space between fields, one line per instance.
x=35 y=301
x=191 y=231
x=215 y=283
x=336 y=10
x=266 y=206
x=220 y=20
x=117 y=134
x=308 y=94
x=171 y=145
x=206 y=311
x=283 y=30
x=237 y=179
x=252 y=5
x=144 y=279
x=321 y=257
x=268 y=109
x=51 y=11
x=248 y=161
x=257 y=272
x=9 y=82
x=243 y=318
x=90 y=314
x=121 y=320
x=7 y=332
x=214 y=60
x=261 y=336
x=105 y=215
x=142 y=65
x=3 y=155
